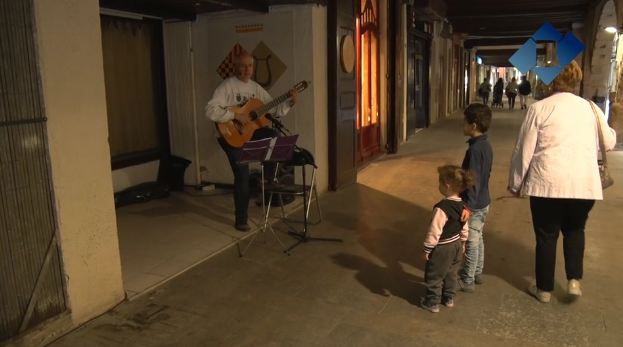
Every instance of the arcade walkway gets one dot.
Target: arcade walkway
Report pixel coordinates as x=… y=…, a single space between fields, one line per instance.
x=364 y=292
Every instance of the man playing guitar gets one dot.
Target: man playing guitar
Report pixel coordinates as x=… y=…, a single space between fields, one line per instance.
x=225 y=106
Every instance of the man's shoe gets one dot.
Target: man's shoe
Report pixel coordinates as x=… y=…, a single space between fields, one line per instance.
x=540 y=295
x=242 y=227
x=574 y=288
x=434 y=308
x=448 y=302
x=478 y=279
x=467 y=287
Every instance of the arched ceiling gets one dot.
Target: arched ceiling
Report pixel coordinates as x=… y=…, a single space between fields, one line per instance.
x=188 y=9
x=494 y=23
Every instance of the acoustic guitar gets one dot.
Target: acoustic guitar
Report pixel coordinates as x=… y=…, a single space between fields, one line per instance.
x=235 y=133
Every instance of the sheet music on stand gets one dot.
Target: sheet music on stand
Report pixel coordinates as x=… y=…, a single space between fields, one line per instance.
x=269 y=149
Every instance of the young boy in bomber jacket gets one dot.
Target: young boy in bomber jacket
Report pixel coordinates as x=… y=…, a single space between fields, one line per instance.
x=444 y=243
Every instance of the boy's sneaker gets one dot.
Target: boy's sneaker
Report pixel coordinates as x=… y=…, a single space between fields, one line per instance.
x=540 y=295
x=434 y=308
x=448 y=302
x=574 y=288
x=478 y=279
x=467 y=287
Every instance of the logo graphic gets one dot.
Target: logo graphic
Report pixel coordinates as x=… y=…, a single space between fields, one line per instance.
x=567 y=48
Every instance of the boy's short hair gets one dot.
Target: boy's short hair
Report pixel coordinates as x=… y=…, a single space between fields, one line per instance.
x=478 y=114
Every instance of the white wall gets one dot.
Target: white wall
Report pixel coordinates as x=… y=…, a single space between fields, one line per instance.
x=71 y=64
x=181 y=101
x=440 y=69
x=320 y=111
x=297 y=35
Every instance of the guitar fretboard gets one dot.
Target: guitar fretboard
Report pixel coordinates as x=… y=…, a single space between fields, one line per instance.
x=273 y=103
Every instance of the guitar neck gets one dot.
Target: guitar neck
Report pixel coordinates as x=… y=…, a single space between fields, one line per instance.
x=273 y=103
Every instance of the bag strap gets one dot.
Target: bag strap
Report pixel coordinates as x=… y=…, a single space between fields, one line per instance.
x=602 y=146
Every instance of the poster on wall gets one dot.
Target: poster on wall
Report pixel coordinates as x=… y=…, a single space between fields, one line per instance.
x=227 y=68
x=268 y=66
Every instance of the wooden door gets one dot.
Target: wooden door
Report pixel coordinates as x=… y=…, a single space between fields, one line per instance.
x=368 y=111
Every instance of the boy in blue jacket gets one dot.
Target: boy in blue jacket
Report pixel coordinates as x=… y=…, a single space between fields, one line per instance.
x=478 y=160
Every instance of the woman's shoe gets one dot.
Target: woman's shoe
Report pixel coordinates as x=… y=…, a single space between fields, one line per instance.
x=540 y=295
x=574 y=288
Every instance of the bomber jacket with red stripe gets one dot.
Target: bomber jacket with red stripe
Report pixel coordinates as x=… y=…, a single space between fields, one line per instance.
x=446 y=226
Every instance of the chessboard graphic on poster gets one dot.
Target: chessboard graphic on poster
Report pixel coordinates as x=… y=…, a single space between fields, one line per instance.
x=227 y=68
x=268 y=66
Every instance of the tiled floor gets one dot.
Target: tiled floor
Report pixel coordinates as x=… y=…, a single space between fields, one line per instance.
x=161 y=239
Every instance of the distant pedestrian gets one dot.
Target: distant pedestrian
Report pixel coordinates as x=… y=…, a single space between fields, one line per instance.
x=524 y=90
x=484 y=90
x=511 y=93
x=445 y=241
x=498 y=92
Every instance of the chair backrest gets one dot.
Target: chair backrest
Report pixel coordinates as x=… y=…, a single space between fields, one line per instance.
x=302 y=157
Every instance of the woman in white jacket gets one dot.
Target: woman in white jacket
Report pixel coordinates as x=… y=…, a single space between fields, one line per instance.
x=555 y=163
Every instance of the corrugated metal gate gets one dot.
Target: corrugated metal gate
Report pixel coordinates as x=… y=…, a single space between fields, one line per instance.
x=31 y=284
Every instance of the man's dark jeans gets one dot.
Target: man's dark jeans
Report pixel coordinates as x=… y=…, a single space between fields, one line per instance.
x=241 y=173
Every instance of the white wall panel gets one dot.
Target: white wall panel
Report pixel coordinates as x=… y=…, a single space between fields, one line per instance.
x=181 y=95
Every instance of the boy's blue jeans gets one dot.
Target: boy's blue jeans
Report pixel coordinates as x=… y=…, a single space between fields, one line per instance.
x=475 y=247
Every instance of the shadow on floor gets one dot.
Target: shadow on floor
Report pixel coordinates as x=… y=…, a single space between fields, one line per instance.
x=508 y=260
x=395 y=245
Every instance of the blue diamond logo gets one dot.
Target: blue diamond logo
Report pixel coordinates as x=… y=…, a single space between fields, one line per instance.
x=567 y=48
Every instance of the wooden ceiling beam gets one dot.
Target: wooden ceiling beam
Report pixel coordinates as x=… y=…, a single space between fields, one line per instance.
x=543 y=15
x=505 y=30
x=290 y=2
x=250 y=5
x=508 y=11
x=503 y=52
x=470 y=43
x=505 y=19
x=152 y=9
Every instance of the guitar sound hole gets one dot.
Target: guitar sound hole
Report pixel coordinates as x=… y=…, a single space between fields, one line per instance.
x=237 y=124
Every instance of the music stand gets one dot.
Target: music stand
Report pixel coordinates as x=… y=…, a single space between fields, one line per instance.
x=305 y=158
x=273 y=149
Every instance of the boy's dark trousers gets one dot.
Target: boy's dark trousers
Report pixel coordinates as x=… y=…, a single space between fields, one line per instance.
x=441 y=272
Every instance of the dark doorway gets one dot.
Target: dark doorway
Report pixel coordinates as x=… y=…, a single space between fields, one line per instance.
x=417 y=82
